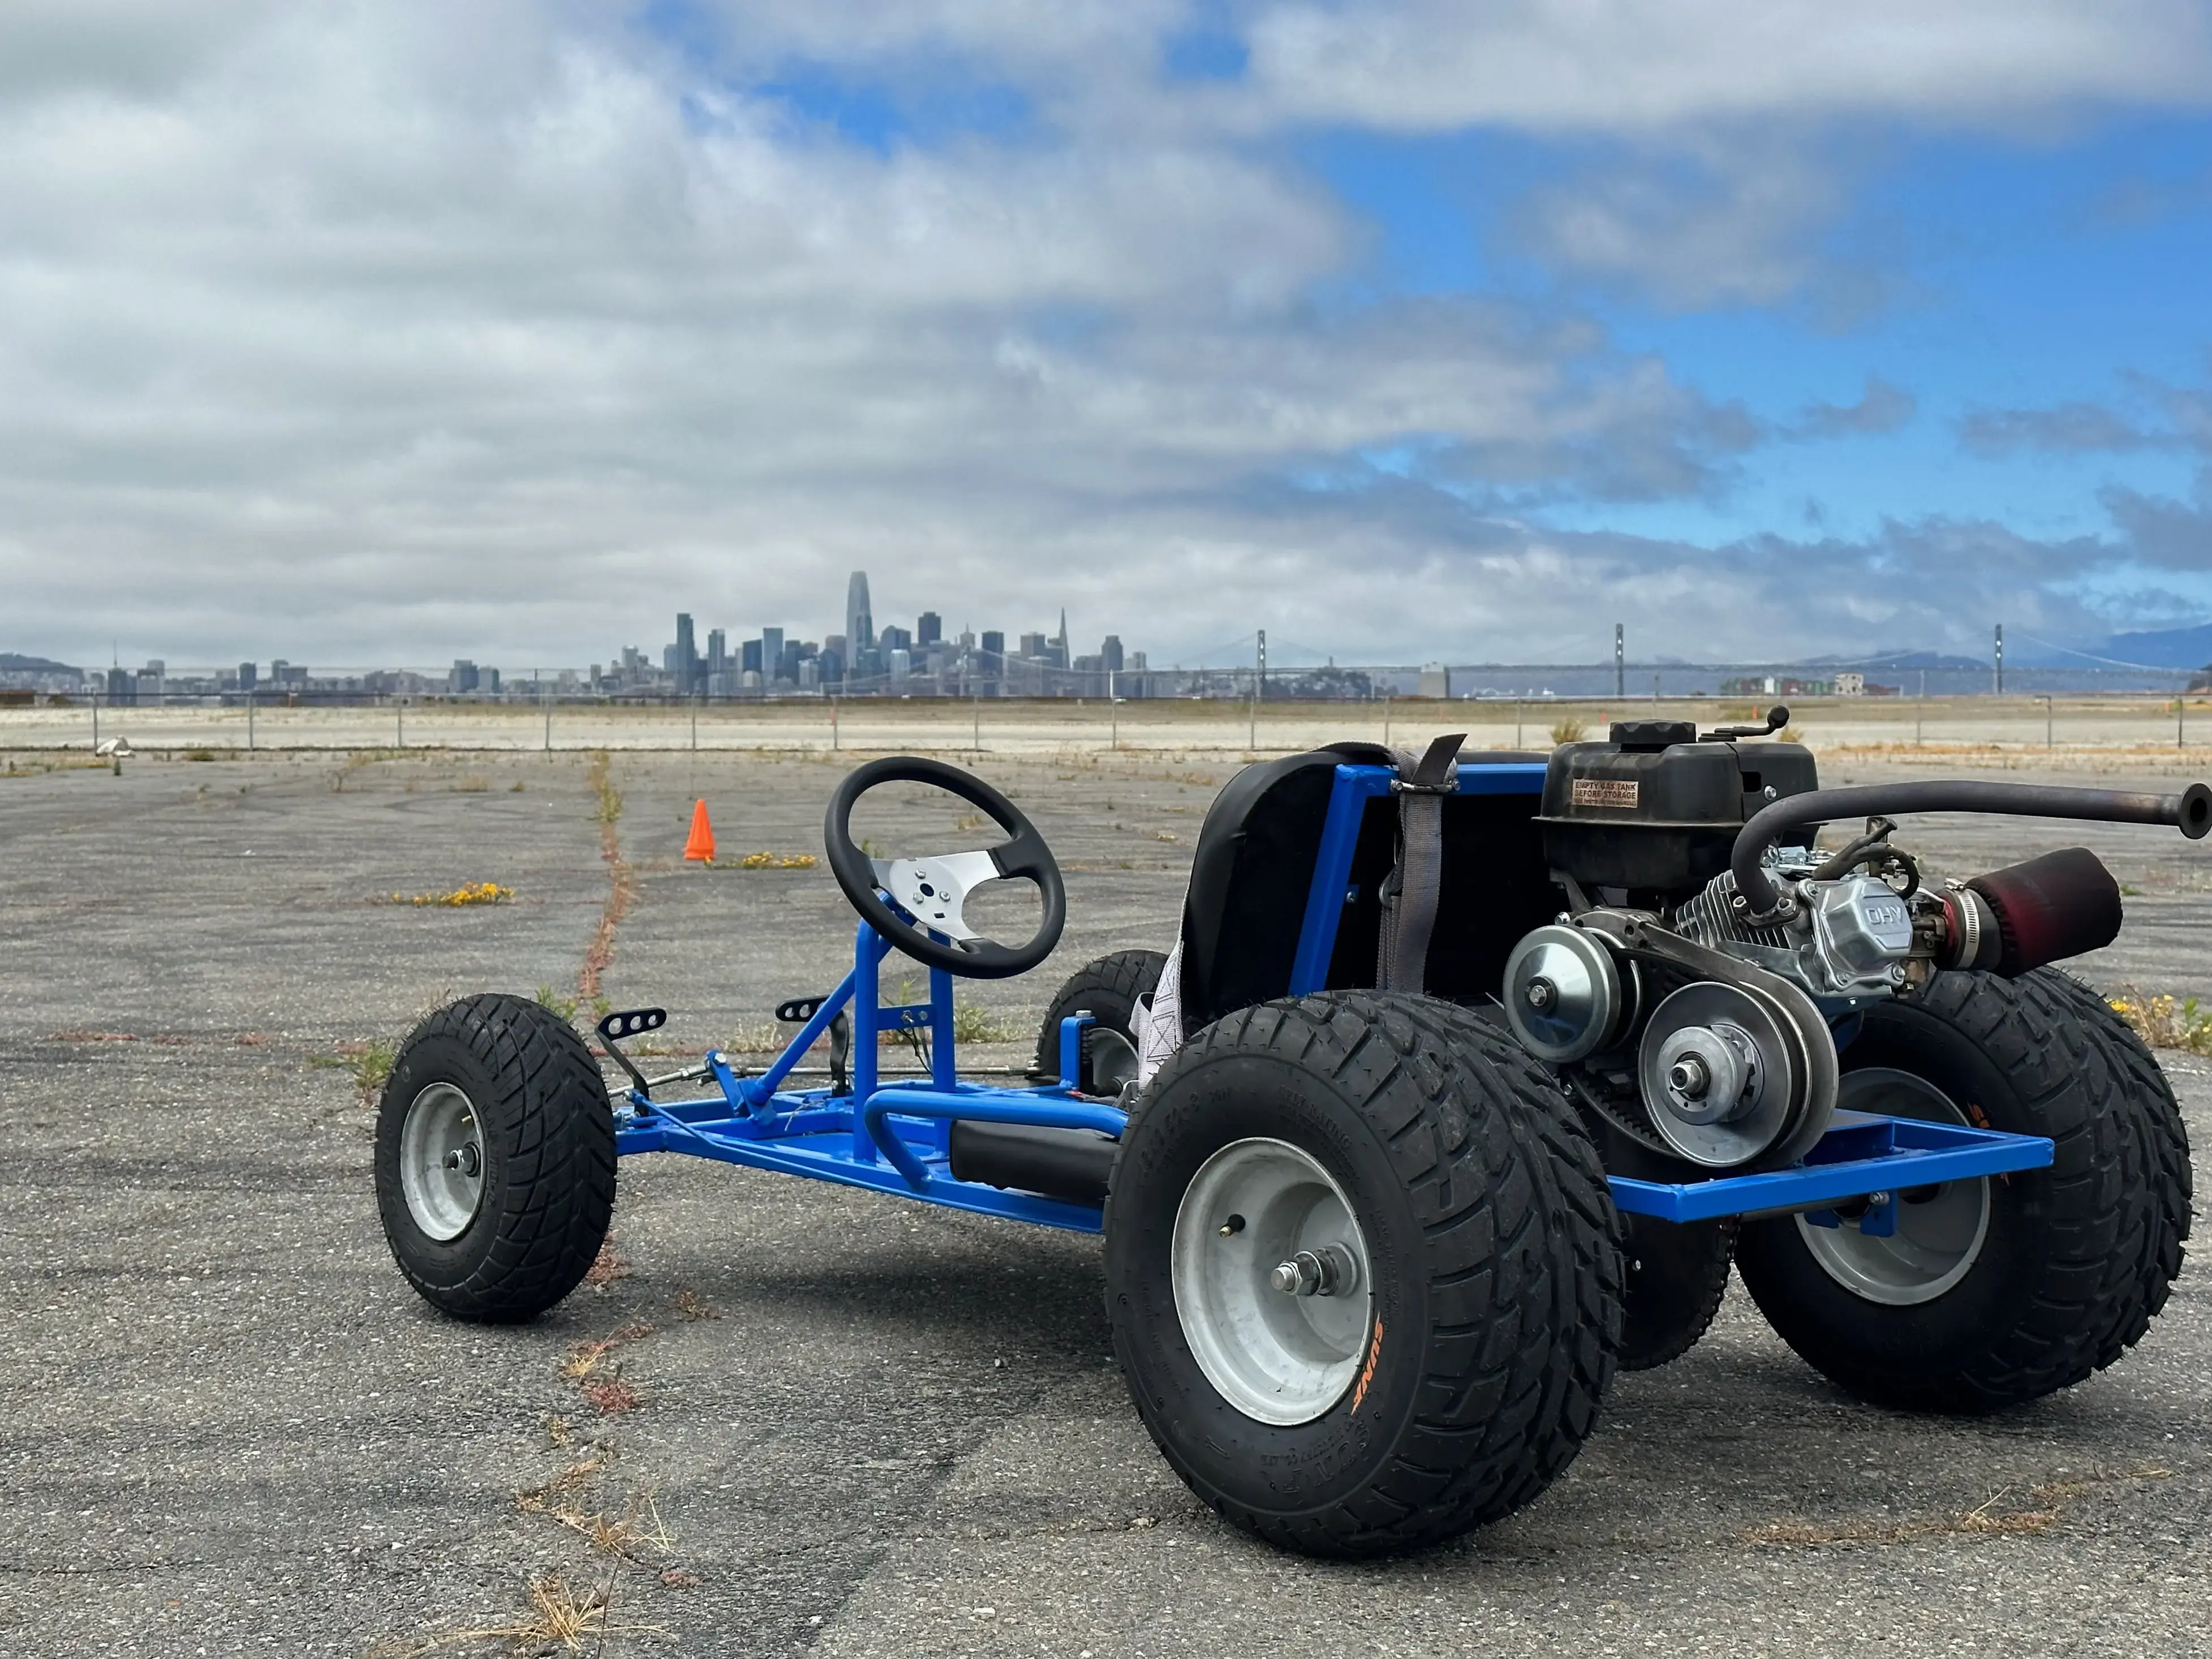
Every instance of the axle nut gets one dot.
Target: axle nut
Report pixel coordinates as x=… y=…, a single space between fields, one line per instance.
x=1329 y=1271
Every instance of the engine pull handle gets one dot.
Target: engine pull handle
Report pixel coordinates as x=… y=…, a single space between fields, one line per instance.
x=1776 y=718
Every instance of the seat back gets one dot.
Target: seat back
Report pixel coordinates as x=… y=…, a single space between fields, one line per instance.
x=1253 y=868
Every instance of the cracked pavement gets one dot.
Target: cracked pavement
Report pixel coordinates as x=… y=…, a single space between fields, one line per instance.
x=855 y=1426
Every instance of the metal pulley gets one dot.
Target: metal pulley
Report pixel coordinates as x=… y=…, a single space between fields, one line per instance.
x=1725 y=1073
x=1565 y=993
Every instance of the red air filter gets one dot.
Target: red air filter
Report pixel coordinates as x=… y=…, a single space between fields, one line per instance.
x=2049 y=908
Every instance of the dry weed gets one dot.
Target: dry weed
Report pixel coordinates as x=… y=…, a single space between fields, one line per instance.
x=457 y=898
x=609 y=1265
x=1984 y=1520
x=627 y=1534
x=2164 y=1022
x=766 y=862
x=687 y=1303
x=584 y=1359
x=610 y=1396
x=559 y=1615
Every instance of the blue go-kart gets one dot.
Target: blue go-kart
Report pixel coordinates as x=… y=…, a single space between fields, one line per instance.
x=1466 y=1082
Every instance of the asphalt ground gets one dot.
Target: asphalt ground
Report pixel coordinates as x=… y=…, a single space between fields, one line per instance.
x=842 y=1423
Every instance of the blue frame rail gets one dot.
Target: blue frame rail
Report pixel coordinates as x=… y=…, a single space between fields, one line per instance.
x=895 y=1135
x=1861 y=1156
x=887 y=1135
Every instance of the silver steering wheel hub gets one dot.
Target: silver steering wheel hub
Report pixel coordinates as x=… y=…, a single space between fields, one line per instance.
x=934 y=890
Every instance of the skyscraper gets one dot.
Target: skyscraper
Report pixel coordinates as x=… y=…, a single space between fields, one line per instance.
x=771 y=653
x=686 y=665
x=860 y=620
x=929 y=628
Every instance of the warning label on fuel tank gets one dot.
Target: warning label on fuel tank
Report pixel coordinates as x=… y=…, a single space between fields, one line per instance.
x=1603 y=792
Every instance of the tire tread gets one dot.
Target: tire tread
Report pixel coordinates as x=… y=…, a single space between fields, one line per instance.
x=558 y=1196
x=1507 y=1393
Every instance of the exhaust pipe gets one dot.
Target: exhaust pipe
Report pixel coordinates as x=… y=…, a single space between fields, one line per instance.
x=1760 y=903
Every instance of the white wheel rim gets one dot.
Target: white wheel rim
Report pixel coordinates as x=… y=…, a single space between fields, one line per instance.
x=1277 y=1357
x=1940 y=1229
x=442 y=1162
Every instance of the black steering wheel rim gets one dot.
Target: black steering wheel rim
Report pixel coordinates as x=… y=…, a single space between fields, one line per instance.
x=1024 y=855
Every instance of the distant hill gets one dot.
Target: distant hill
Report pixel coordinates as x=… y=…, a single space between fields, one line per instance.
x=12 y=662
x=2171 y=647
x=1888 y=661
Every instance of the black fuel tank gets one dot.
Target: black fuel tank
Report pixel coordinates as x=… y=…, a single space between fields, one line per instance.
x=1654 y=810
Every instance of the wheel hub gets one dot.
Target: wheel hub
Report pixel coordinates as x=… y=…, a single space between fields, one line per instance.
x=1940 y=1229
x=1271 y=1281
x=442 y=1162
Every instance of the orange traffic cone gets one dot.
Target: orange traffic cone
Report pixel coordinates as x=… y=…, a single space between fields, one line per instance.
x=700 y=848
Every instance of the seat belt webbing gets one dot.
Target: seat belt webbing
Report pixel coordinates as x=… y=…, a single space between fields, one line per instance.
x=1409 y=896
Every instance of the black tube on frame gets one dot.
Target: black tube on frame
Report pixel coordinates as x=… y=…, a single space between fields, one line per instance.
x=2190 y=812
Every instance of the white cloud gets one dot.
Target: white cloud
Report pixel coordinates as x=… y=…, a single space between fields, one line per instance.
x=1647 y=66
x=399 y=332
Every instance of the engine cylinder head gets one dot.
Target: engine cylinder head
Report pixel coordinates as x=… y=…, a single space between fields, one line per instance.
x=1563 y=994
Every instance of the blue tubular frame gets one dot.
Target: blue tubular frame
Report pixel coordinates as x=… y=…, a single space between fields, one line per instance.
x=895 y=1137
x=889 y=1137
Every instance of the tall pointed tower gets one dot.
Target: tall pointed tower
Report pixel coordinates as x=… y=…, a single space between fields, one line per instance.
x=1060 y=658
x=860 y=620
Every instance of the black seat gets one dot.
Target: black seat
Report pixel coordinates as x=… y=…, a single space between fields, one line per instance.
x=1254 y=864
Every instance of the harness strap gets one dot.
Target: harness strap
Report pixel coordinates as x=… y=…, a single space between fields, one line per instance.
x=1159 y=1019
x=1409 y=895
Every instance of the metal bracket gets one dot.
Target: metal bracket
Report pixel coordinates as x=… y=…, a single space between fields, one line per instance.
x=1434 y=774
x=1875 y=1218
x=632 y=1023
x=1071 y=1048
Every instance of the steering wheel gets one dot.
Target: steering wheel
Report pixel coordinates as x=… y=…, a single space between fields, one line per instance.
x=922 y=914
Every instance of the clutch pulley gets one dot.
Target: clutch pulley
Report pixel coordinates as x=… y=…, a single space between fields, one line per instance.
x=1722 y=1072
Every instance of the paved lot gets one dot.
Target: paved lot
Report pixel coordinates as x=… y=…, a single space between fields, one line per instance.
x=860 y=1427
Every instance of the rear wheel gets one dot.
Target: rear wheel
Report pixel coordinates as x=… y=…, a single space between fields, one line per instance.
x=1993 y=1291
x=2166 y=1151
x=1677 y=1276
x=1362 y=1270
x=1109 y=989
x=495 y=1159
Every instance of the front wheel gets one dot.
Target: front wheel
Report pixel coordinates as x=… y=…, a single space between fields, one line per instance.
x=1109 y=989
x=495 y=1159
x=1362 y=1270
x=1989 y=1292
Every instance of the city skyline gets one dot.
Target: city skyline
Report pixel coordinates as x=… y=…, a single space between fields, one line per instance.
x=925 y=660
x=890 y=657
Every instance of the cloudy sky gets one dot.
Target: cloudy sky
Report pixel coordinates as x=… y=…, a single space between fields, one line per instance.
x=386 y=332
